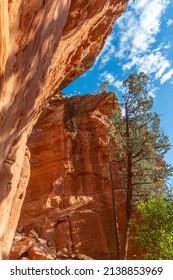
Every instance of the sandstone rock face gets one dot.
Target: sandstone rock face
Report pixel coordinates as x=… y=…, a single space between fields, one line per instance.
x=44 y=45
x=4 y=39
x=40 y=252
x=13 y=181
x=21 y=247
x=69 y=196
x=50 y=43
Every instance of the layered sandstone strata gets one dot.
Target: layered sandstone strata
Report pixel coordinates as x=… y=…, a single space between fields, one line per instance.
x=69 y=196
x=44 y=45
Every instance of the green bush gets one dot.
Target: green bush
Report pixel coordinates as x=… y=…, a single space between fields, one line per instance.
x=154 y=228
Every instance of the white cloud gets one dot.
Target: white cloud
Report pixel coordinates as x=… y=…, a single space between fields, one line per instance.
x=152 y=92
x=119 y=85
x=123 y=111
x=162 y=65
x=142 y=24
x=169 y=22
x=108 y=77
x=112 y=80
x=107 y=56
x=107 y=52
x=167 y=76
x=154 y=62
x=138 y=29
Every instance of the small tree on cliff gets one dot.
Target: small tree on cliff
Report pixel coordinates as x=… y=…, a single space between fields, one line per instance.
x=104 y=86
x=140 y=146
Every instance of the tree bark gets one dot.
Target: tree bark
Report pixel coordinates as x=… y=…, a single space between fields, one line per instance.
x=129 y=185
x=116 y=227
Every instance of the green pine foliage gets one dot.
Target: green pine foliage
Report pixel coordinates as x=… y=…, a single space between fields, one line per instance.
x=154 y=229
x=138 y=138
x=139 y=145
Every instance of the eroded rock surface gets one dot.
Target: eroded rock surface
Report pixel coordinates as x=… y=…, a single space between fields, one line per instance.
x=44 y=45
x=20 y=247
x=69 y=196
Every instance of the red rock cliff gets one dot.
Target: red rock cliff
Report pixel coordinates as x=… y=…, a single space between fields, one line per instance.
x=44 y=45
x=69 y=196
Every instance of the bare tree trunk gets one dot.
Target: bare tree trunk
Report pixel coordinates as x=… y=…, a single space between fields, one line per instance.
x=127 y=240
x=129 y=186
x=116 y=226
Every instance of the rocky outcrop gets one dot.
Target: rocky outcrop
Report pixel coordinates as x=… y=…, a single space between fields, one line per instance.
x=44 y=45
x=69 y=196
x=20 y=247
x=4 y=39
x=33 y=248
x=13 y=181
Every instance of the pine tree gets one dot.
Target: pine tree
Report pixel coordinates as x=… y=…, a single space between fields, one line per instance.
x=140 y=146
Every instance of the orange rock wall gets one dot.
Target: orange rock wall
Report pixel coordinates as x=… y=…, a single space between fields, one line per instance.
x=69 y=196
x=44 y=45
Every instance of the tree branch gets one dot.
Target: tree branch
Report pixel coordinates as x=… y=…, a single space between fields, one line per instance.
x=142 y=183
x=140 y=150
x=156 y=158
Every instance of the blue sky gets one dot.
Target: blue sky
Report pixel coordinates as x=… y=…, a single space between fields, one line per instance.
x=141 y=40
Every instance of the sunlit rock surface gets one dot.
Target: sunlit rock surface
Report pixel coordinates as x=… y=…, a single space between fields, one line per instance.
x=44 y=45
x=69 y=196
